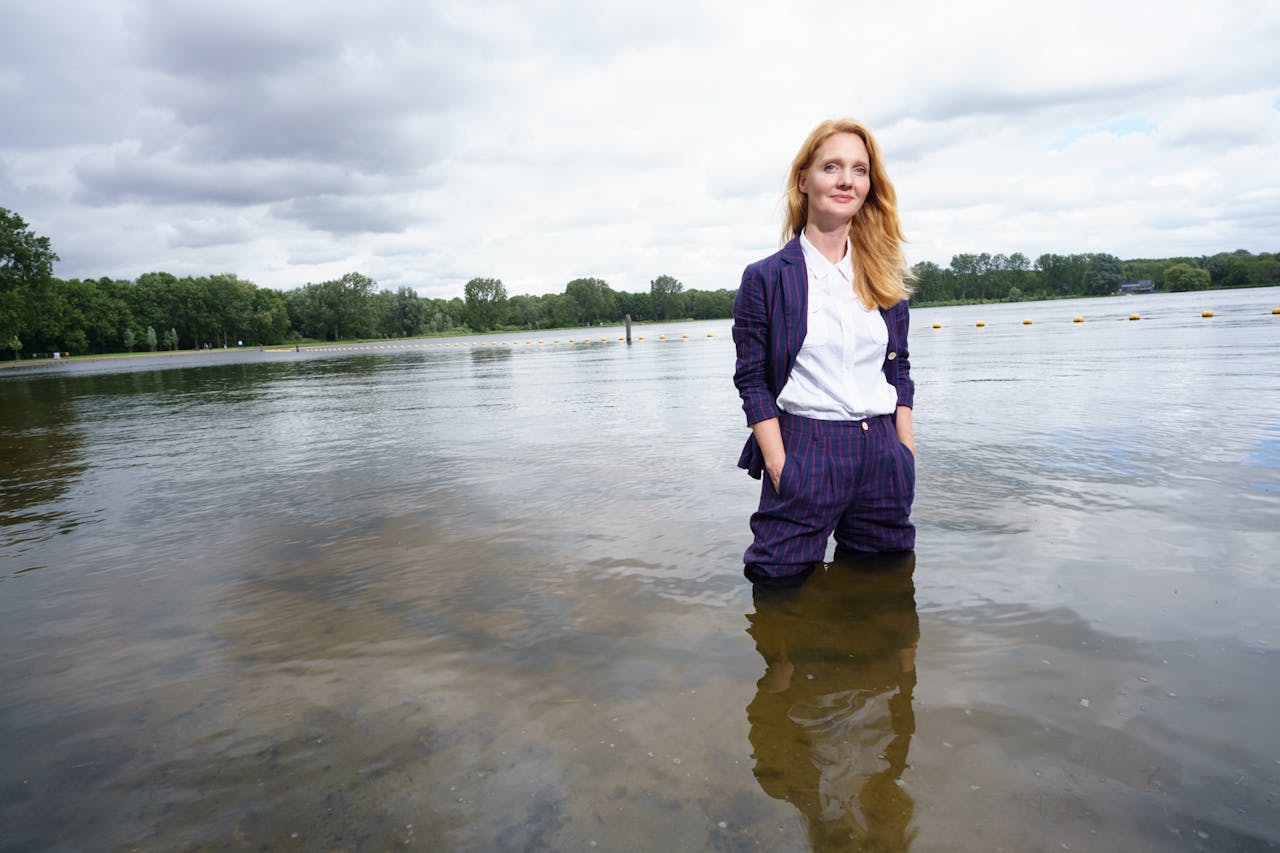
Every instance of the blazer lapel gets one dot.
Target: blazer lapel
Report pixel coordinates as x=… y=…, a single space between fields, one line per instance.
x=795 y=295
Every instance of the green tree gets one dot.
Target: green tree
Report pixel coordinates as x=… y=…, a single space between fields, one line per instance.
x=152 y=342
x=155 y=299
x=1062 y=275
x=229 y=306
x=667 y=297
x=270 y=321
x=1103 y=275
x=341 y=307
x=440 y=322
x=130 y=341
x=171 y=339
x=933 y=283
x=710 y=304
x=594 y=300
x=354 y=305
x=638 y=305
x=525 y=312
x=1185 y=277
x=1264 y=272
x=305 y=311
x=93 y=315
x=486 y=303
x=14 y=345
x=1142 y=268
x=403 y=313
x=438 y=314
x=969 y=273
x=26 y=273
x=1019 y=275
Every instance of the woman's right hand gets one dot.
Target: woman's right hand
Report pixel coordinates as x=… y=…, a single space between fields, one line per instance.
x=774 y=469
x=768 y=435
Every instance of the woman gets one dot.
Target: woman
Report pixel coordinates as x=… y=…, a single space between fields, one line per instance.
x=821 y=334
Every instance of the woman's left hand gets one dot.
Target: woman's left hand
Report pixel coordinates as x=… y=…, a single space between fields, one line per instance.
x=906 y=431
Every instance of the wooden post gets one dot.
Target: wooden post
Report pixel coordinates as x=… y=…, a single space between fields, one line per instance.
x=628 y=319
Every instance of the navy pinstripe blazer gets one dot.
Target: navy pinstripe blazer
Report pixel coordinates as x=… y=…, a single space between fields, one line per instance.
x=770 y=318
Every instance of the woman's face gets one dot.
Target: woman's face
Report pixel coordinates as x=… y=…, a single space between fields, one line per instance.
x=837 y=182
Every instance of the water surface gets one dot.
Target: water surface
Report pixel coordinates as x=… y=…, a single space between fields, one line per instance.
x=489 y=597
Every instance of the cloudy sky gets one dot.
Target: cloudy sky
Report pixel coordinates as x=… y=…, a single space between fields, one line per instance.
x=425 y=143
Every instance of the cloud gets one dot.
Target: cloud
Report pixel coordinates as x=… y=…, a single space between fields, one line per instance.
x=342 y=214
x=200 y=233
x=126 y=173
x=425 y=144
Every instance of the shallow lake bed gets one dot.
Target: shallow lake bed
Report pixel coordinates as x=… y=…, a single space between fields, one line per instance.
x=491 y=597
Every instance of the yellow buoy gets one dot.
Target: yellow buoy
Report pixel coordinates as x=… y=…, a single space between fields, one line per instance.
x=709 y=335
x=1206 y=313
x=1275 y=310
x=571 y=340
x=556 y=341
x=1077 y=319
x=622 y=339
x=980 y=324
x=937 y=325
x=641 y=338
x=1134 y=317
x=1026 y=322
x=684 y=337
x=662 y=337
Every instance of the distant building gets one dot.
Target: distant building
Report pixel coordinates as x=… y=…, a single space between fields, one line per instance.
x=1146 y=285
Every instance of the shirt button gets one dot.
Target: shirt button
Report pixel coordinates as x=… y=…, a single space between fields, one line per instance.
x=892 y=356
x=864 y=426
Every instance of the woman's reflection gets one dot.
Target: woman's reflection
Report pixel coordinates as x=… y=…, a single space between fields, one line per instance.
x=831 y=722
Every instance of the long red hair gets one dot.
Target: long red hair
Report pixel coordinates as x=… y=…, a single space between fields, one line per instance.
x=882 y=276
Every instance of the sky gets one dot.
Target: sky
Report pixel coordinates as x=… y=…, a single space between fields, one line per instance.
x=427 y=143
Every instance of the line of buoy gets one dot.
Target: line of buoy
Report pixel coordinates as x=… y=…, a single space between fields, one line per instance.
x=1079 y=319
x=464 y=344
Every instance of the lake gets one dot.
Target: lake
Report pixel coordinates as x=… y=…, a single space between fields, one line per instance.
x=486 y=593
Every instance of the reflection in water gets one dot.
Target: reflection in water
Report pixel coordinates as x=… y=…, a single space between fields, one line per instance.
x=42 y=451
x=831 y=722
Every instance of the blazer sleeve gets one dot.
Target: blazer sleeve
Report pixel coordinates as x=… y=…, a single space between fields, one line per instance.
x=751 y=338
x=901 y=356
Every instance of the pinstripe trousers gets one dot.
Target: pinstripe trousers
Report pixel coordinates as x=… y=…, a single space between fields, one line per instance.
x=851 y=477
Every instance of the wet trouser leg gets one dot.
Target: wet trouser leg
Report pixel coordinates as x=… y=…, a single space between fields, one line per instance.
x=851 y=477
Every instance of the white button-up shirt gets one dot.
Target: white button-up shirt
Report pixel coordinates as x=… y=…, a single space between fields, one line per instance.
x=839 y=373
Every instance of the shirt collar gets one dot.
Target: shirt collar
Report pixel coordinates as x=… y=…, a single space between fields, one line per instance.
x=820 y=267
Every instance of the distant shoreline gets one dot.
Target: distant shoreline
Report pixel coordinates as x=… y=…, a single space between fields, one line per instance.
x=28 y=362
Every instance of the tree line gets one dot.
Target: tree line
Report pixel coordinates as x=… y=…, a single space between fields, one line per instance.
x=40 y=313
x=1013 y=278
